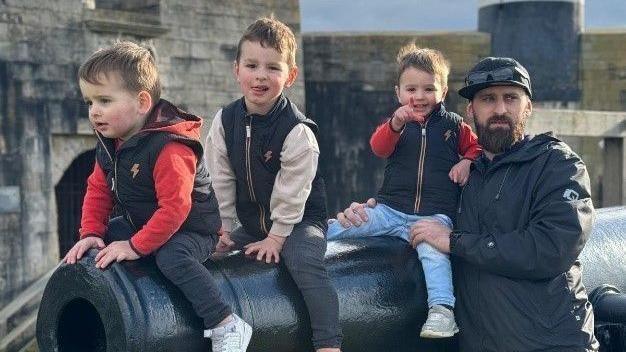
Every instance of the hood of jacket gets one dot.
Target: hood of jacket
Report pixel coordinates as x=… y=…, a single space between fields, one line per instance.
x=166 y=117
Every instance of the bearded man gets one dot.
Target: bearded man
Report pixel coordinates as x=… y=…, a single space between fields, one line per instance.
x=523 y=219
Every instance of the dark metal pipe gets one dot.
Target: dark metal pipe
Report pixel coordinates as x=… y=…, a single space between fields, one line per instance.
x=131 y=307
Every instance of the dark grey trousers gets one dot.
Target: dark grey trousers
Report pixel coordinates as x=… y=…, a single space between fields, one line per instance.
x=180 y=260
x=303 y=256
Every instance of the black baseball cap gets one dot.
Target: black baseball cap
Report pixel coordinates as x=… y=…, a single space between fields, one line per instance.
x=495 y=71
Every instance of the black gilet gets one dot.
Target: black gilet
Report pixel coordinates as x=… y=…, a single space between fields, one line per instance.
x=416 y=175
x=256 y=161
x=129 y=171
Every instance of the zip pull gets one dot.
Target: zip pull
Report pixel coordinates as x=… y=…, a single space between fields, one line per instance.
x=113 y=184
x=248 y=133
x=424 y=132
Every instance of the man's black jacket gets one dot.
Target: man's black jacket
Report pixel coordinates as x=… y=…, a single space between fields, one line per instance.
x=524 y=218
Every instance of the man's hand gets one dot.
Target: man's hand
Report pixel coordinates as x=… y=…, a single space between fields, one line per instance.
x=224 y=243
x=269 y=248
x=460 y=172
x=406 y=114
x=82 y=246
x=432 y=232
x=116 y=251
x=355 y=214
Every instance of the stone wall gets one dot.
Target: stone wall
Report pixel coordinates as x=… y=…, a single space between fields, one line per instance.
x=350 y=81
x=603 y=70
x=43 y=122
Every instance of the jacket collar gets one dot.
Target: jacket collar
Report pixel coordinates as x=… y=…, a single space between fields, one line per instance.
x=436 y=114
x=164 y=117
x=527 y=149
x=280 y=105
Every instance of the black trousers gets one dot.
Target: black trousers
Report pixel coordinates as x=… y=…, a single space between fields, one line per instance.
x=180 y=260
x=303 y=256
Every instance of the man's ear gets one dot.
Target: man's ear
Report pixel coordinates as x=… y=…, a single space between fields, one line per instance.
x=293 y=74
x=445 y=92
x=145 y=102
x=529 y=108
x=398 y=93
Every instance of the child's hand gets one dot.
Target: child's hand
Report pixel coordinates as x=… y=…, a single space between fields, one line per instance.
x=405 y=114
x=355 y=214
x=116 y=251
x=269 y=248
x=82 y=246
x=460 y=172
x=224 y=243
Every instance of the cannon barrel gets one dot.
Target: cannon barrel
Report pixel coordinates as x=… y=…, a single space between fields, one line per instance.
x=382 y=297
x=604 y=264
x=132 y=307
x=604 y=259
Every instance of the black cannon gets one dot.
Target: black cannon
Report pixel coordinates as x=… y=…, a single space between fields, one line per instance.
x=131 y=307
x=604 y=275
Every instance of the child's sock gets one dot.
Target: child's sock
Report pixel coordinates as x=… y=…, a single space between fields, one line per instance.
x=447 y=306
x=226 y=321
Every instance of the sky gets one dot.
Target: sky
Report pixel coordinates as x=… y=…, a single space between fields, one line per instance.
x=426 y=15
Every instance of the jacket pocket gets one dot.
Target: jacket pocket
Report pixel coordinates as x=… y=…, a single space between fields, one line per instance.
x=553 y=303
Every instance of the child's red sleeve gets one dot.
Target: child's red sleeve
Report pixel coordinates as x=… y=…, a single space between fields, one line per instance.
x=173 y=174
x=97 y=205
x=384 y=140
x=468 y=143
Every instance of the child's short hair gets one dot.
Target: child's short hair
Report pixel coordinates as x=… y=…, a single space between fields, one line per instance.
x=273 y=33
x=425 y=59
x=136 y=65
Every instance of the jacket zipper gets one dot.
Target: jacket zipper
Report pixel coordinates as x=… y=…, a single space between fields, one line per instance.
x=248 y=169
x=420 y=168
x=249 y=176
x=461 y=199
x=502 y=182
x=113 y=181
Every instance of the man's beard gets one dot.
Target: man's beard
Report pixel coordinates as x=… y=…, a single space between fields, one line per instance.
x=497 y=140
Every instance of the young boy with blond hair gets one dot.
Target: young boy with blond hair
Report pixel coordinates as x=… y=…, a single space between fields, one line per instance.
x=429 y=151
x=262 y=153
x=151 y=180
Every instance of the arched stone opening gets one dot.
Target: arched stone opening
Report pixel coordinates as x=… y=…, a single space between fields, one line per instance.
x=69 y=194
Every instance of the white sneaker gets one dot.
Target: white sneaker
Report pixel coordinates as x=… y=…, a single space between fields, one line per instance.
x=232 y=337
x=440 y=323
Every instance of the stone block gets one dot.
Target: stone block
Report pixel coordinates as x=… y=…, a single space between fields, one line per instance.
x=603 y=71
x=10 y=199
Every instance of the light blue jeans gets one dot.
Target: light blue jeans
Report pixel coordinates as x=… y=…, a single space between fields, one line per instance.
x=385 y=221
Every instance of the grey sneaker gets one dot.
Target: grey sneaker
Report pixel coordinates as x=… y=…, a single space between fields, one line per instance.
x=232 y=337
x=440 y=323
